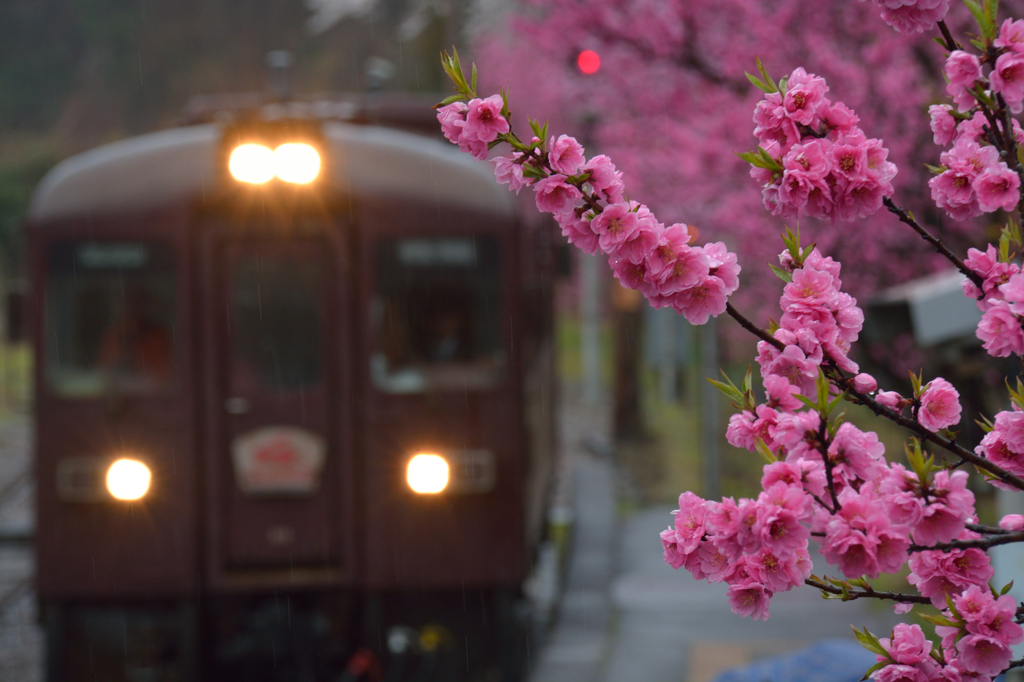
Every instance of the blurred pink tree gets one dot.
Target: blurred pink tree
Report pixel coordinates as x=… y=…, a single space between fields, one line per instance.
x=670 y=105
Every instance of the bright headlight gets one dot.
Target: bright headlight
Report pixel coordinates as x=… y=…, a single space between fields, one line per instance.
x=252 y=163
x=296 y=162
x=128 y=479
x=427 y=473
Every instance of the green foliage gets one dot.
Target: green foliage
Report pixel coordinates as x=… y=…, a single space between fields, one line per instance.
x=765 y=82
x=986 y=15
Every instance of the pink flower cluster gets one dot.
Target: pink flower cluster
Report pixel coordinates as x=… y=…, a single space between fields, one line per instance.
x=1001 y=300
x=974 y=179
x=1004 y=444
x=982 y=631
x=830 y=168
x=913 y=16
x=473 y=125
x=938 y=575
x=819 y=322
x=757 y=547
x=587 y=200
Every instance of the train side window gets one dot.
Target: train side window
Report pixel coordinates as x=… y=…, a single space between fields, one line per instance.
x=436 y=315
x=110 y=316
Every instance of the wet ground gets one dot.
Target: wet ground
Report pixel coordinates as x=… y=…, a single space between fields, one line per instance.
x=623 y=614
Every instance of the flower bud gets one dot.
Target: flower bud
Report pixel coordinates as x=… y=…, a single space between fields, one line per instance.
x=864 y=383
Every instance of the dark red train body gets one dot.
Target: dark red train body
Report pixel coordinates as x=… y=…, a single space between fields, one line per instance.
x=275 y=355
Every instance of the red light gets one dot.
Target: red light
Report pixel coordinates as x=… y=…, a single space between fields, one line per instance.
x=588 y=61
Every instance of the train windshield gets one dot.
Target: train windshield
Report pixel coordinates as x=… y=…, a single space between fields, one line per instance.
x=436 y=315
x=110 y=318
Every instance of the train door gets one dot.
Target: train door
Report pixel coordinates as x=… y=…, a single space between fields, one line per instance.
x=276 y=456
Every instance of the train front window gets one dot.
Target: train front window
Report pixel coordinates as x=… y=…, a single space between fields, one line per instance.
x=110 y=314
x=276 y=322
x=436 y=315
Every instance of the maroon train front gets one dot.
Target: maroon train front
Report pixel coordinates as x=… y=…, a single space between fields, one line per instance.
x=247 y=331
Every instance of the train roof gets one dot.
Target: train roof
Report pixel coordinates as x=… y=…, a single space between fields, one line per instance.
x=171 y=166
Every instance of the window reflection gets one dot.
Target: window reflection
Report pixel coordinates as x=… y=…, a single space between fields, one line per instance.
x=436 y=315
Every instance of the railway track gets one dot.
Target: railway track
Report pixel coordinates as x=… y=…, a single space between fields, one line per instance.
x=21 y=638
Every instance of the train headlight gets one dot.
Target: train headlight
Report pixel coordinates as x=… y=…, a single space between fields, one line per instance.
x=252 y=163
x=427 y=473
x=296 y=162
x=128 y=479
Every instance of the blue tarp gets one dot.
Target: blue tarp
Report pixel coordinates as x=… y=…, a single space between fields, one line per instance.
x=833 y=660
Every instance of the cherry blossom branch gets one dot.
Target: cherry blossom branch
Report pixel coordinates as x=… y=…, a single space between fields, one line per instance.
x=981 y=543
x=934 y=241
x=846 y=385
x=850 y=595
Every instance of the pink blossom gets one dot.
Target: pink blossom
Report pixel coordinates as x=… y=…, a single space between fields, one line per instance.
x=644 y=240
x=995 y=450
x=705 y=299
x=578 y=232
x=805 y=96
x=890 y=399
x=724 y=265
x=913 y=16
x=1000 y=331
x=962 y=69
x=1010 y=426
x=673 y=554
x=857 y=451
x=942 y=123
x=565 y=155
x=750 y=599
x=689 y=521
x=1011 y=35
x=452 y=118
x=614 y=226
x=510 y=173
x=940 y=405
x=555 y=195
x=907 y=646
x=630 y=275
x=998 y=187
x=1008 y=78
x=950 y=504
x=604 y=178
x=741 y=432
x=1012 y=522
x=938 y=574
x=792 y=363
x=484 y=121
x=689 y=268
x=781 y=393
x=671 y=243
x=982 y=654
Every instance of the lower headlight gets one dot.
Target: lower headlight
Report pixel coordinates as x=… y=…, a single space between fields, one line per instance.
x=128 y=479
x=427 y=473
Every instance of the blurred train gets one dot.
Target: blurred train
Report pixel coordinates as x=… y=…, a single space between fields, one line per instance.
x=294 y=409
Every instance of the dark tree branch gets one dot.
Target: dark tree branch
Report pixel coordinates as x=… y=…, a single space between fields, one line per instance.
x=934 y=241
x=948 y=37
x=868 y=593
x=980 y=543
x=753 y=328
